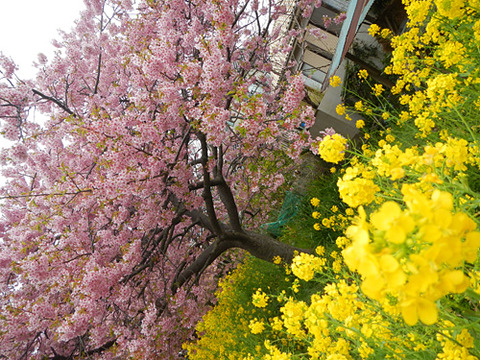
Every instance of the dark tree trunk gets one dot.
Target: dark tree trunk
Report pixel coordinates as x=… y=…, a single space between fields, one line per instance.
x=266 y=247
x=259 y=245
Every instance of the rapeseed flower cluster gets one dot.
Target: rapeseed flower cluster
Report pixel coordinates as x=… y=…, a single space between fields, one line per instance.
x=455 y=345
x=414 y=254
x=336 y=222
x=357 y=187
x=335 y=81
x=332 y=148
x=256 y=326
x=304 y=266
x=435 y=60
x=334 y=323
x=260 y=299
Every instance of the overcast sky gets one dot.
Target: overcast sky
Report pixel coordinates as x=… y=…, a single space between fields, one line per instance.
x=27 y=28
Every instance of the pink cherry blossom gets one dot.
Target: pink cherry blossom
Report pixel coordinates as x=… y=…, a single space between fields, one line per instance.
x=162 y=125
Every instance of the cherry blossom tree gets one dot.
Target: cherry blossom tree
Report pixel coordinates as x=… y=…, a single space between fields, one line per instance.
x=163 y=122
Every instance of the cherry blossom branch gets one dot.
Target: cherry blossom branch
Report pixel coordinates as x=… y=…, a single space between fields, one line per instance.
x=45 y=194
x=55 y=101
x=207 y=257
x=97 y=81
x=226 y=195
x=207 y=191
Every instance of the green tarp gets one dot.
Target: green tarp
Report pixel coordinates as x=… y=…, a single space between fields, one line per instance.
x=289 y=209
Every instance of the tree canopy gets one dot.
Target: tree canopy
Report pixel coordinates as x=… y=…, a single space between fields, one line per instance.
x=163 y=120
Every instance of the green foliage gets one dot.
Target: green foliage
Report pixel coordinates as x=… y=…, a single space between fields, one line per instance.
x=269 y=168
x=300 y=231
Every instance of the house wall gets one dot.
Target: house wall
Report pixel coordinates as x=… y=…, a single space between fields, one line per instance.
x=326 y=115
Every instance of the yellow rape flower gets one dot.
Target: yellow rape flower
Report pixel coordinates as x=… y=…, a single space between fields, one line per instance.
x=359 y=191
x=450 y=8
x=304 y=266
x=471 y=246
x=404 y=116
x=326 y=222
x=439 y=241
x=465 y=339
x=451 y=53
x=476 y=29
x=337 y=266
x=393 y=221
x=378 y=89
x=340 y=109
x=320 y=250
x=390 y=138
x=277 y=260
x=260 y=299
x=293 y=313
x=315 y=201
x=274 y=353
x=360 y=124
x=332 y=148
x=363 y=74
x=421 y=308
x=256 y=326
x=335 y=81
x=343 y=241
x=452 y=350
x=364 y=350
x=456 y=153
x=424 y=123
x=385 y=33
x=440 y=85
x=417 y=11
x=374 y=29
x=277 y=324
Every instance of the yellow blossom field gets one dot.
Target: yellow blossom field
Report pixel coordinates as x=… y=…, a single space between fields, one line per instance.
x=399 y=276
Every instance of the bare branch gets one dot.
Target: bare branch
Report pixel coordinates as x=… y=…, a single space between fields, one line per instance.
x=207 y=191
x=45 y=194
x=95 y=90
x=209 y=255
x=55 y=101
x=226 y=195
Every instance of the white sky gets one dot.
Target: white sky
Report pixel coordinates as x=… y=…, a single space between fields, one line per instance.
x=27 y=28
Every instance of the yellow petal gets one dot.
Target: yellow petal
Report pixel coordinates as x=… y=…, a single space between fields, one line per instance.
x=373 y=286
x=443 y=199
x=471 y=245
x=395 y=235
x=387 y=213
x=427 y=311
x=454 y=282
x=409 y=313
x=388 y=263
x=368 y=265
